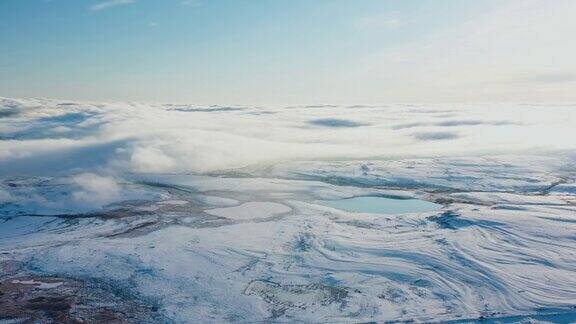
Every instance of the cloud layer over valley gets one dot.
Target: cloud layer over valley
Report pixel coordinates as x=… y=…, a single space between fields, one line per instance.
x=43 y=137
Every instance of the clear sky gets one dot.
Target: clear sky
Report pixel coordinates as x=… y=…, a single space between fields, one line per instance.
x=289 y=51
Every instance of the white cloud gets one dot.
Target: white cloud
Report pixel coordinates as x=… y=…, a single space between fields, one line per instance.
x=95 y=190
x=157 y=138
x=505 y=54
x=109 y=4
x=5 y=197
x=147 y=159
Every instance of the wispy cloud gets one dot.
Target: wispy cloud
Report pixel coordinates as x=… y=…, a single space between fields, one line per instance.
x=484 y=57
x=378 y=23
x=109 y=4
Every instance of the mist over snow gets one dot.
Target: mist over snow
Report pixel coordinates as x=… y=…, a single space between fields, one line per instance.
x=94 y=189
x=46 y=137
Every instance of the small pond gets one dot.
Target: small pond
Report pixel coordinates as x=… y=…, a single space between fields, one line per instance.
x=382 y=205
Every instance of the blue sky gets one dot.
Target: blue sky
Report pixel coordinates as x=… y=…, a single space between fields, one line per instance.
x=283 y=52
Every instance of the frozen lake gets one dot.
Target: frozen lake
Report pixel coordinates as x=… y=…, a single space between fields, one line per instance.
x=383 y=205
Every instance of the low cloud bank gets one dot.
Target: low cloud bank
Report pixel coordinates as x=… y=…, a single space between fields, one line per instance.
x=50 y=137
x=95 y=190
x=76 y=194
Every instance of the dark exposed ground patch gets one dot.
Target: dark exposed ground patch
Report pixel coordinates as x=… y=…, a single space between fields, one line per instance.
x=359 y=224
x=452 y=220
x=29 y=298
x=281 y=298
x=394 y=295
x=303 y=242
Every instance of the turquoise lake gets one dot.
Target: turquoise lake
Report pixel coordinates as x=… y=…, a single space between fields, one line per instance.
x=382 y=205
